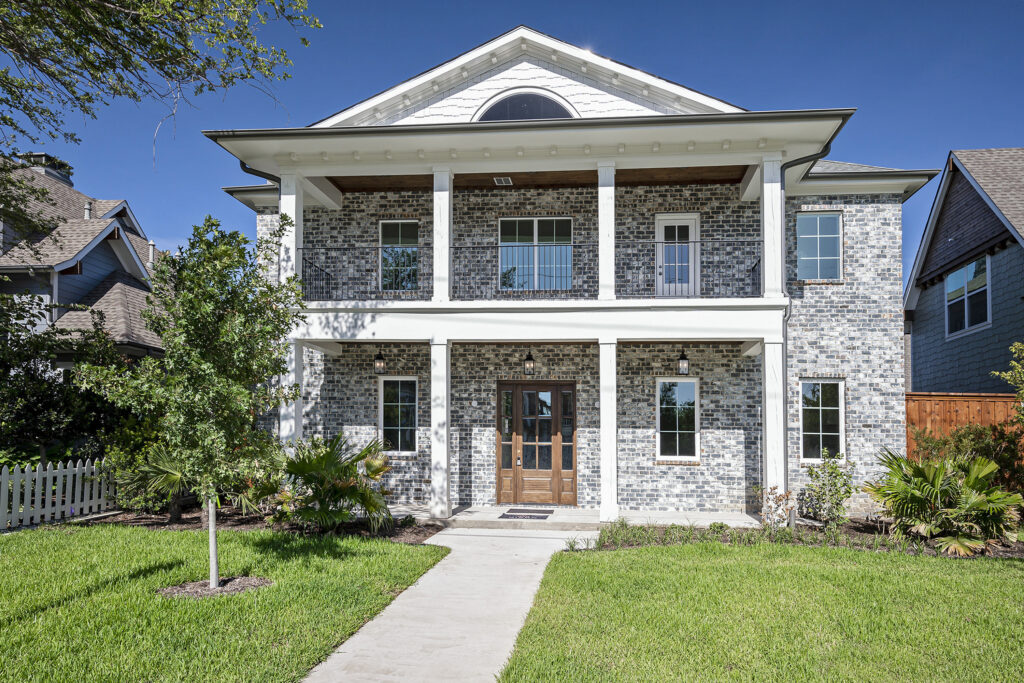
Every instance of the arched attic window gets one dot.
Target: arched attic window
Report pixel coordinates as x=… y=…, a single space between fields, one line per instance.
x=525 y=106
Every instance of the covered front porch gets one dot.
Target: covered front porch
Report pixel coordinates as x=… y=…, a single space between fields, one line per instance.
x=593 y=431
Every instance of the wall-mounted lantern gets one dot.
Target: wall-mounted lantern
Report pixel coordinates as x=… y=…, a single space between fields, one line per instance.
x=379 y=365
x=682 y=364
x=529 y=365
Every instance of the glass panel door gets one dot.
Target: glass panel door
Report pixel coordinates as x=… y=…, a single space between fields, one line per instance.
x=676 y=257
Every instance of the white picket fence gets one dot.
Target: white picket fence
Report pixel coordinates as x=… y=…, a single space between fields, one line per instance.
x=53 y=494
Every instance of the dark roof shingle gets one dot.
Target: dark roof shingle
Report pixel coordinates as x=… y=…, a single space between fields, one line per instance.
x=121 y=298
x=1000 y=173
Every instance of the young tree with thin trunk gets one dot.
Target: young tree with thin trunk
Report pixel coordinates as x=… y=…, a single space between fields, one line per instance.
x=223 y=324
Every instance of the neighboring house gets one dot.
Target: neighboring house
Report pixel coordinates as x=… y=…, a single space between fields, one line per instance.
x=964 y=300
x=96 y=255
x=542 y=276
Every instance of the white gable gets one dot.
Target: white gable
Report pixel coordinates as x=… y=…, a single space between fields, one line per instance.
x=587 y=97
x=591 y=86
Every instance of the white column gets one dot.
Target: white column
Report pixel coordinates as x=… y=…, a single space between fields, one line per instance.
x=291 y=240
x=440 y=414
x=609 y=432
x=442 y=232
x=291 y=413
x=774 y=417
x=606 y=230
x=54 y=297
x=773 y=225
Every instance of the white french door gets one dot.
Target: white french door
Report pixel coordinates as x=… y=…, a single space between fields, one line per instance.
x=677 y=257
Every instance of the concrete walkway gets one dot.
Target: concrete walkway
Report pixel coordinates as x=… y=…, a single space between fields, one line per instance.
x=460 y=620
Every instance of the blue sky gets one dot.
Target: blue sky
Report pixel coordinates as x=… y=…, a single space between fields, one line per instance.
x=926 y=77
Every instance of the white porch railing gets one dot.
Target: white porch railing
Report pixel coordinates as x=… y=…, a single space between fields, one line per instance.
x=53 y=494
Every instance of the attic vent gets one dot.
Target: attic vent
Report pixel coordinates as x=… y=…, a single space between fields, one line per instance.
x=503 y=180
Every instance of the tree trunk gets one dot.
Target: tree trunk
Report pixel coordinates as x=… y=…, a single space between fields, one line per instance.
x=204 y=514
x=214 y=570
x=174 y=510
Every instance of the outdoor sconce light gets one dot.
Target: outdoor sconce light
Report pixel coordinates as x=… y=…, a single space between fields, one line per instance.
x=379 y=366
x=529 y=364
x=683 y=364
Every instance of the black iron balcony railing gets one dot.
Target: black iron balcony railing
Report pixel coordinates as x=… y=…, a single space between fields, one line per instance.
x=693 y=269
x=523 y=271
x=366 y=273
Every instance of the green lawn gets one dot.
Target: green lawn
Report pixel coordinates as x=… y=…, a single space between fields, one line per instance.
x=772 y=612
x=80 y=603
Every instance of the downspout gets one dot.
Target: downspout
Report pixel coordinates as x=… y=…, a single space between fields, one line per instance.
x=259 y=174
x=785 y=318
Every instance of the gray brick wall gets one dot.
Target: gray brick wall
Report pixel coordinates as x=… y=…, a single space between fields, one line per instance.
x=340 y=395
x=476 y=370
x=475 y=256
x=342 y=243
x=730 y=430
x=964 y=364
x=727 y=257
x=852 y=330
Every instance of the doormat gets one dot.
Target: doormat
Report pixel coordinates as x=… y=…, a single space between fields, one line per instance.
x=525 y=513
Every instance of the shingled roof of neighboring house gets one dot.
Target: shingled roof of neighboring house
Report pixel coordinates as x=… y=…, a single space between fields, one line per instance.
x=1000 y=175
x=64 y=243
x=121 y=298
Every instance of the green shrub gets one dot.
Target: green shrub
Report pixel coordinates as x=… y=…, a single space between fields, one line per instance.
x=331 y=481
x=831 y=484
x=953 y=500
x=999 y=443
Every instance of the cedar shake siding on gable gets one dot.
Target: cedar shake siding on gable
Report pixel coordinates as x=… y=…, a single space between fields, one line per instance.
x=966 y=227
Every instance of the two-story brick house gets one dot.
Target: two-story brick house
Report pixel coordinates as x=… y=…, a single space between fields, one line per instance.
x=542 y=276
x=965 y=296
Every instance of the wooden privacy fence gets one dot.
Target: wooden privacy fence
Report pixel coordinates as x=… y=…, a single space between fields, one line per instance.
x=53 y=494
x=939 y=413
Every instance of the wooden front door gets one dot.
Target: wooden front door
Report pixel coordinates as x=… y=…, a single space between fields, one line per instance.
x=536 y=437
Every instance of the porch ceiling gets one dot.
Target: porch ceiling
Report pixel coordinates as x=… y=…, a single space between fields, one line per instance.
x=692 y=175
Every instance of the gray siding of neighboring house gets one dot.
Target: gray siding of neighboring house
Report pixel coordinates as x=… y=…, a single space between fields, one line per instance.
x=98 y=263
x=964 y=364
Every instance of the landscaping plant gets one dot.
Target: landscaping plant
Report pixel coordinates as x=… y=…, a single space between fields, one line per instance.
x=825 y=496
x=223 y=326
x=953 y=500
x=330 y=481
x=776 y=507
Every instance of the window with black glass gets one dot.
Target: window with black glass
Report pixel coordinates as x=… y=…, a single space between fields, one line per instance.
x=967 y=297
x=818 y=246
x=398 y=414
x=535 y=254
x=525 y=107
x=822 y=418
x=678 y=419
x=399 y=256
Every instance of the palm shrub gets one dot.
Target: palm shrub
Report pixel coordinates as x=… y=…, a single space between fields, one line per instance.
x=330 y=481
x=831 y=484
x=953 y=500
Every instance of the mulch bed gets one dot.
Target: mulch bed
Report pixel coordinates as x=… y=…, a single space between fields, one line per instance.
x=228 y=586
x=230 y=519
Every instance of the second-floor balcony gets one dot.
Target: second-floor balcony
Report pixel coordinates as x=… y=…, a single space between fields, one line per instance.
x=551 y=269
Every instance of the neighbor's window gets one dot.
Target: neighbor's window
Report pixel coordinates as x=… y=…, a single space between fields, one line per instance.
x=535 y=253
x=398 y=414
x=678 y=419
x=399 y=248
x=967 y=297
x=822 y=418
x=817 y=246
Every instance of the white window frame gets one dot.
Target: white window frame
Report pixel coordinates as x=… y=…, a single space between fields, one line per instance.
x=380 y=409
x=380 y=252
x=842 y=414
x=988 y=301
x=842 y=228
x=658 y=457
x=536 y=270
x=692 y=288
